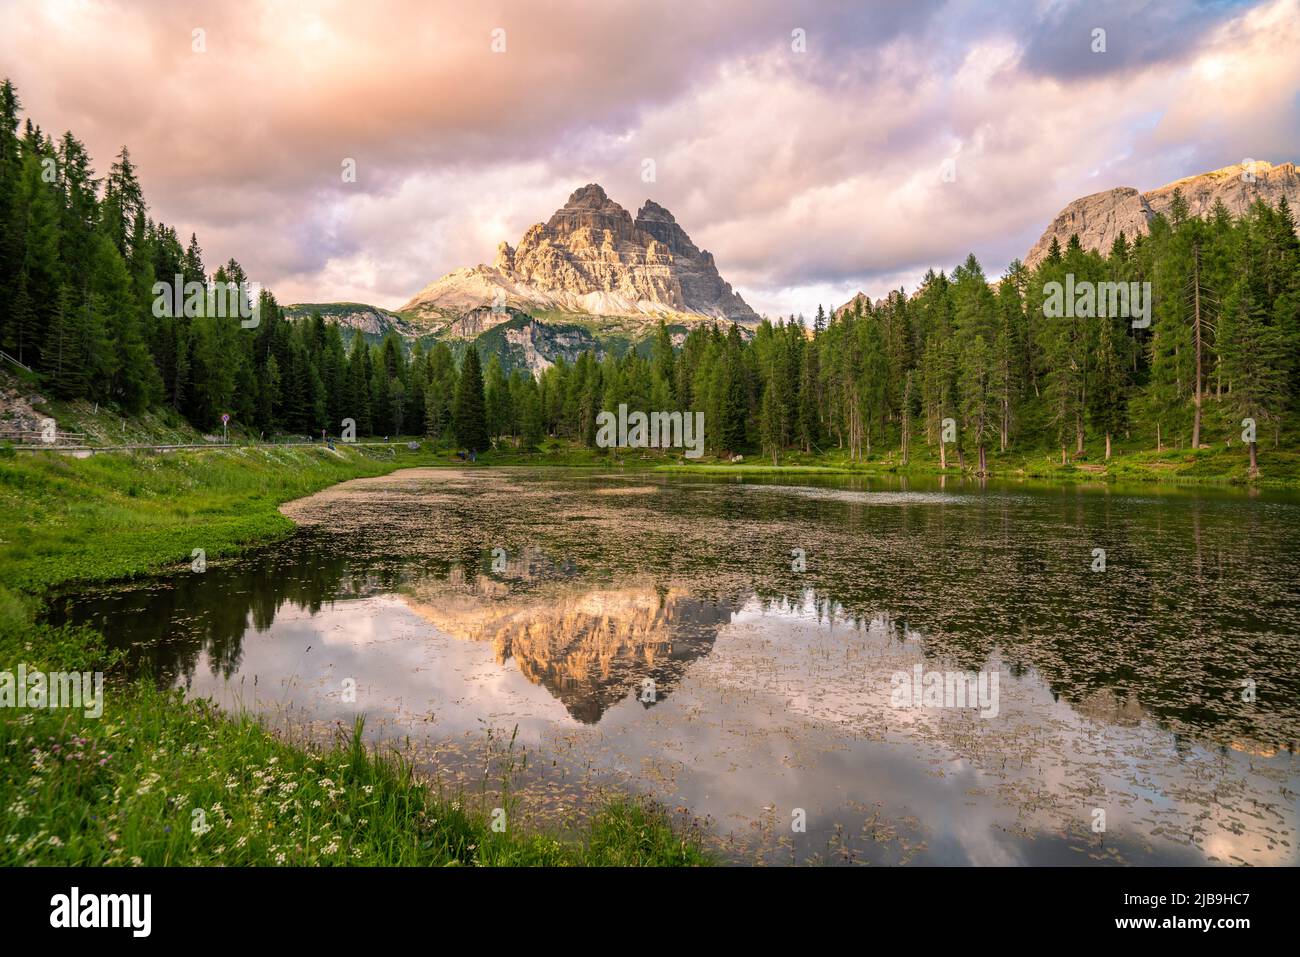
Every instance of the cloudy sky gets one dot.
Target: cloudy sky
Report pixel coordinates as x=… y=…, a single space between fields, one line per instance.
x=810 y=169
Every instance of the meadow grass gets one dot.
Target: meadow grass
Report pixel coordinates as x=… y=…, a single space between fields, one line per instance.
x=1129 y=462
x=161 y=780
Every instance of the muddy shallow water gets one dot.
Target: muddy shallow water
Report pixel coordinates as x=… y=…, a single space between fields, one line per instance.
x=747 y=653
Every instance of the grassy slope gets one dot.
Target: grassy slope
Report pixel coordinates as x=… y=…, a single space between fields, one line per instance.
x=124 y=788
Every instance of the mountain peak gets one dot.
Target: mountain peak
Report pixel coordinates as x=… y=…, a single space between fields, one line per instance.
x=591 y=196
x=860 y=299
x=651 y=211
x=592 y=257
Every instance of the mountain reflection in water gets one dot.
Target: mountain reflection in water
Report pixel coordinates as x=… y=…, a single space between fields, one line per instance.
x=590 y=648
x=544 y=603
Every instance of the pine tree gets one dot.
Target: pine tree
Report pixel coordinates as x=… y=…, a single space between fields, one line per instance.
x=22 y=322
x=440 y=393
x=1254 y=359
x=192 y=268
x=123 y=201
x=1107 y=396
x=874 y=371
x=79 y=212
x=64 y=363
x=469 y=417
x=909 y=403
x=978 y=402
x=42 y=272
x=269 y=413
x=663 y=360
x=11 y=233
x=1009 y=353
x=732 y=394
x=497 y=399
x=771 y=422
x=936 y=392
x=397 y=398
x=531 y=422
x=809 y=413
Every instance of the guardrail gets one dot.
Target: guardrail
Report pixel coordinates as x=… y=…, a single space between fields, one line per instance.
x=211 y=446
x=6 y=356
x=38 y=436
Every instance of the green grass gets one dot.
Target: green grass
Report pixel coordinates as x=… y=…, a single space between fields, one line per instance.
x=159 y=781
x=1219 y=465
x=65 y=519
x=104 y=426
x=1130 y=462
x=123 y=788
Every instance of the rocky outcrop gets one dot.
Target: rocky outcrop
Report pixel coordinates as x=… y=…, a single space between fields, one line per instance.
x=17 y=412
x=702 y=289
x=591 y=257
x=358 y=317
x=1097 y=220
x=474 y=323
x=536 y=346
x=1100 y=218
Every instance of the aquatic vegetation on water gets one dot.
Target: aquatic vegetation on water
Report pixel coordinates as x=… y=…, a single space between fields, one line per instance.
x=667 y=644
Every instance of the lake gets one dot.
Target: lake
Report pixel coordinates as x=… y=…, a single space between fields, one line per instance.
x=842 y=670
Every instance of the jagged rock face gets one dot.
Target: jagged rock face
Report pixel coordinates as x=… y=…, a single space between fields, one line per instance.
x=536 y=347
x=592 y=257
x=697 y=276
x=476 y=322
x=1100 y=218
x=1097 y=220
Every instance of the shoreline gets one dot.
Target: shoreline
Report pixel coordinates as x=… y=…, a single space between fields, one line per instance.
x=125 y=788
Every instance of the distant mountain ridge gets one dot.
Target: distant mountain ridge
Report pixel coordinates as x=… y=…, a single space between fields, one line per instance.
x=371 y=321
x=1099 y=218
x=605 y=277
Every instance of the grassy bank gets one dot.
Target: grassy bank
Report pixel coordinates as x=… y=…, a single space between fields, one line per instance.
x=1130 y=461
x=159 y=780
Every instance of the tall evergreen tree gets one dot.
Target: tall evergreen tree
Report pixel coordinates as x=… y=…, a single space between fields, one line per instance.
x=469 y=417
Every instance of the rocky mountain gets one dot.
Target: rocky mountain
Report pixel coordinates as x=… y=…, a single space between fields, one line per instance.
x=1100 y=218
x=591 y=258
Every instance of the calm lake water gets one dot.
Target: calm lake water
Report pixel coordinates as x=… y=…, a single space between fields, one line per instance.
x=735 y=650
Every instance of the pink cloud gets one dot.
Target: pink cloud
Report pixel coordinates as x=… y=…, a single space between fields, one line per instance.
x=806 y=174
